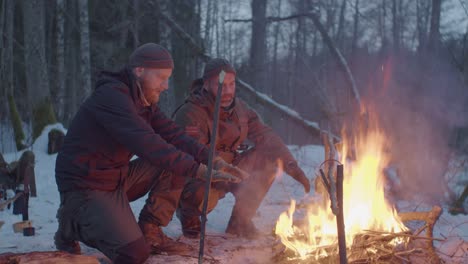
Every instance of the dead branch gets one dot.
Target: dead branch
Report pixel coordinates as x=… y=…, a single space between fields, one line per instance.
x=328 y=41
x=4 y=204
x=261 y=98
x=430 y=218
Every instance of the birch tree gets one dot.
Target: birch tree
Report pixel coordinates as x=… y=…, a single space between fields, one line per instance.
x=37 y=77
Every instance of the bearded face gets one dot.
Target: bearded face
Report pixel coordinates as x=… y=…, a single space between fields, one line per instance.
x=229 y=88
x=153 y=82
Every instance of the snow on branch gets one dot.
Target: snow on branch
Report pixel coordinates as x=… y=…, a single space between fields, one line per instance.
x=260 y=97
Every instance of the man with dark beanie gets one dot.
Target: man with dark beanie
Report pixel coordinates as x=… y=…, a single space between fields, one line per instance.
x=237 y=123
x=96 y=178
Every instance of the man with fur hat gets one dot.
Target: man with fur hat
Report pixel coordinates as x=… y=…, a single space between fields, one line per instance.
x=96 y=178
x=237 y=123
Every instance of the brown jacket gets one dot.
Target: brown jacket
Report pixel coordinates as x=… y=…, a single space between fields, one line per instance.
x=236 y=124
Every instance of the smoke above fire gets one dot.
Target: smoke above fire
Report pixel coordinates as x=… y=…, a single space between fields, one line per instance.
x=418 y=103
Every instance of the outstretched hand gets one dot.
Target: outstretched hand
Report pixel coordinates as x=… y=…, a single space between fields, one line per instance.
x=216 y=176
x=220 y=165
x=298 y=174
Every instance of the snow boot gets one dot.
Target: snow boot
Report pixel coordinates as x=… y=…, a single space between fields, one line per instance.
x=191 y=225
x=160 y=243
x=70 y=246
x=242 y=228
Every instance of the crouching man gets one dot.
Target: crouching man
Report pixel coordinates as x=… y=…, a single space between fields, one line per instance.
x=238 y=122
x=96 y=178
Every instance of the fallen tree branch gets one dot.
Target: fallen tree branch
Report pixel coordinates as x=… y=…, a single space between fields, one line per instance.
x=310 y=126
x=328 y=41
x=430 y=218
x=9 y=201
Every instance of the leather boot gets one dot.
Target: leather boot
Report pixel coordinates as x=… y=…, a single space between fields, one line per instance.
x=62 y=239
x=160 y=243
x=242 y=228
x=191 y=225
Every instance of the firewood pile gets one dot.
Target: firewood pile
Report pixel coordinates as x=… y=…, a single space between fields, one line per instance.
x=377 y=247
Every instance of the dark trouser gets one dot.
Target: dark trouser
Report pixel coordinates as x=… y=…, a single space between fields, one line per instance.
x=249 y=193
x=104 y=220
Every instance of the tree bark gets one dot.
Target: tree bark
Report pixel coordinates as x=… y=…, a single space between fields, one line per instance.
x=37 y=77
x=434 y=34
x=85 y=60
x=60 y=59
x=355 y=27
x=258 y=45
x=295 y=117
x=341 y=24
x=136 y=23
x=395 y=26
x=338 y=56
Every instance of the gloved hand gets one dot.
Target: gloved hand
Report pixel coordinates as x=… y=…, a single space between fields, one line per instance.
x=216 y=176
x=294 y=171
x=220 y=165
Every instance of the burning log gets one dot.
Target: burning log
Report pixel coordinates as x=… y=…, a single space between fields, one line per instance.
x=377 y=247
x=430 y=218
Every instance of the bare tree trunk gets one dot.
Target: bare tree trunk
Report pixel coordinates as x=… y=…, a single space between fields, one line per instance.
x=215 y=30
x=37 y=77
x=274 y=68
x=341 y=24
x=355 y=27
x=395 y=26
x=422 y=13
x=434 y=34
x=184 y=12
x=3 y=89
x=136 y=23
x=207 y=33
x=383 y=26
x=7 y=52
x=60 y=59
x=338 y=56
x=72 y=56
x=85 y=60
x=258 y=45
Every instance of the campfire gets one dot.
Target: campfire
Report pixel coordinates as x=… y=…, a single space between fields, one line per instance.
x=374 y=231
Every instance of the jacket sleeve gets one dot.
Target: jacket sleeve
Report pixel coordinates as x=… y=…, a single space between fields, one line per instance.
x=265 y=139
x=195 y=122
x=113 y=108
x=176 y=135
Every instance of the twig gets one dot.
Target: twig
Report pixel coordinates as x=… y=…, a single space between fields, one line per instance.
x=11 y=200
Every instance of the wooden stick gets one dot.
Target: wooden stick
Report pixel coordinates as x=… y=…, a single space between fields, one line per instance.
x=340 y=216
x=9 y=201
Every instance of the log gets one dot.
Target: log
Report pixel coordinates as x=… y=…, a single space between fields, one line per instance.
x=52 y=257
x=310 y=126
x=430 y=218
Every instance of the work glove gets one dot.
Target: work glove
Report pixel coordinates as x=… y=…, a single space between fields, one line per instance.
x=216 y=176
x=220 y=165
x=297 y=174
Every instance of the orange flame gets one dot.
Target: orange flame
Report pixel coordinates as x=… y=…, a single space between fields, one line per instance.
x=365 y=207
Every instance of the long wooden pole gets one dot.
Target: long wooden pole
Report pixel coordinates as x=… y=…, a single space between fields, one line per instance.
x=340 y=216
x=210 y=166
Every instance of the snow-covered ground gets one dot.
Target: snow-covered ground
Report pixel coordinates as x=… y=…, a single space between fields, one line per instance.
x=219 y=247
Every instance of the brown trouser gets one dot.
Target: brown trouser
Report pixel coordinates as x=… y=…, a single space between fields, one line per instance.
x=249 y=193
x=104 y=220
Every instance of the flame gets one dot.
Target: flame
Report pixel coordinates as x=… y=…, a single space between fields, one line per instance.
x=365 y=206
